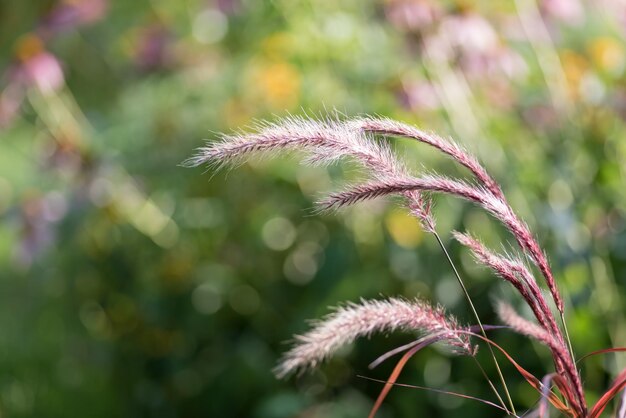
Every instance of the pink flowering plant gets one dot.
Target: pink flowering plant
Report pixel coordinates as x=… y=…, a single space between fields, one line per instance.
x=528 y=270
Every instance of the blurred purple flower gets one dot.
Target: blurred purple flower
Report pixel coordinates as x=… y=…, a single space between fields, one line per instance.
x=570 y=12
x=41 y=70
x=64 y=155
x=471 y=33
x=33 y=68
x=418 y=95
x=412 y=15
x=36 y=231
x=541 y=117
x=69 y=14
x=229 y=7
x=475 y=45
x=152 y=48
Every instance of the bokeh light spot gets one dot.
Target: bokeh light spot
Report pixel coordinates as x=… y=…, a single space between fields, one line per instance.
x=436 y=371
x=560 y=195
x=278 y=234
x=244 y=300
x=448 y=291
x=404 y=229
x=302 y=264
x=206 y=299
x=209 y=26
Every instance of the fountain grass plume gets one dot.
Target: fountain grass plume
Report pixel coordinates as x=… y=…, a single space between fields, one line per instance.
x=323 y=142
x=332 y=139
x=353 y=320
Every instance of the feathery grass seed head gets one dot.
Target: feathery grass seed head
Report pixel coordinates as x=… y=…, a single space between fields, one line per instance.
x=363 y=319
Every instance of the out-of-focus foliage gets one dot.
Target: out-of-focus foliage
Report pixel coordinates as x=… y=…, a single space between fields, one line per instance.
x=130 y=286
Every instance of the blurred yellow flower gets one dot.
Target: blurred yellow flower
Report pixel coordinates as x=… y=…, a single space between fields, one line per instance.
x=608 y=55
x=575 y=67
x=236 y=113
x=404 y=229
x=277 y=83
x=277 y=45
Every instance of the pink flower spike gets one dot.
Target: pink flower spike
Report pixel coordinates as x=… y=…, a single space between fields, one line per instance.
x=356 y=320
x=322 y=142
x=525 y=327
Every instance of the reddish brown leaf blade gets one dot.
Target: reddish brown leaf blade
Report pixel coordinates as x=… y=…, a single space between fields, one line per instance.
x=603 y=351
x=618 y=384
x=417 y=346
x=564 y=387
x=445 y=392
x=392 y=378
x=398 y=350
x=392 y=353
x=531 y=379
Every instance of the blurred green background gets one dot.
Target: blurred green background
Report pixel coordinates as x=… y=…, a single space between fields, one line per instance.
x=130 y=286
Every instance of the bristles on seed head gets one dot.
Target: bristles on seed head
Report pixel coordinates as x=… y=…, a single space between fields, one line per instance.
x=356 y=320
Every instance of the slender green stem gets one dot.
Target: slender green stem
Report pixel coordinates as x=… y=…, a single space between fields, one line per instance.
x=471 y=304
x=569 y=345
x=569 y=341
x=493 y=388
